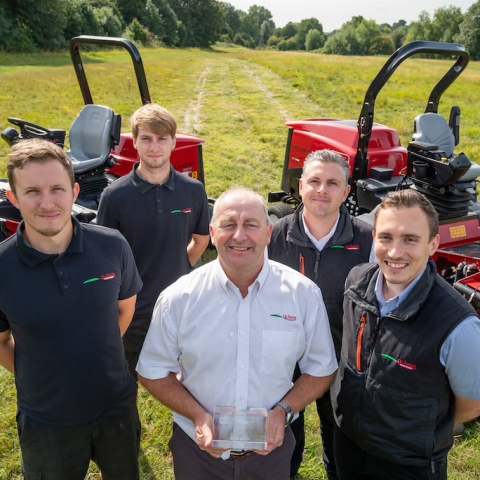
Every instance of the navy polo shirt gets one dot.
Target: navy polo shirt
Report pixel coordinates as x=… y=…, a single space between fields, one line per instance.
x=63 y=314
x=158 y=222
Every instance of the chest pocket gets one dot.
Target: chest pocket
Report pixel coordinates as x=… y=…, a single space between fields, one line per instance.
x=279 y=353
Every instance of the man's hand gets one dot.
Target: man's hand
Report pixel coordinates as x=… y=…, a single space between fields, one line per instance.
x=204 y=430
x=276 y=430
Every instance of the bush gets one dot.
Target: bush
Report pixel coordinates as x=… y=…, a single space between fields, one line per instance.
x=289 y=44
x=314 y=40
x=136 y=32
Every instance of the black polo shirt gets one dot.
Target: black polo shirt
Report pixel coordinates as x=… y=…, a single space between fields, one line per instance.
x=158 y=222
x=63 y=314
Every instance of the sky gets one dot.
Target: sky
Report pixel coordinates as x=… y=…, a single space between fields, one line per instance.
x=332 y=14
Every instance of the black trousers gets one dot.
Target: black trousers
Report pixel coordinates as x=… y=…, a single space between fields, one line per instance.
x=112 y=441
x=355 y=464
x=327 y=423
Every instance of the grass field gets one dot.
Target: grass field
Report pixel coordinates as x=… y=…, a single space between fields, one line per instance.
x=238 y=101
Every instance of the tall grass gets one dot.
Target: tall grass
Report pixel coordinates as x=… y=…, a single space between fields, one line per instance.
x=237 y=100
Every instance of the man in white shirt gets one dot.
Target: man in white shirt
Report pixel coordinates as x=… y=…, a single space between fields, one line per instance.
x=230 y=334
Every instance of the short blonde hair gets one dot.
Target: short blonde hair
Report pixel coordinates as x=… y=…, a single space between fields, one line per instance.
x=154 y=117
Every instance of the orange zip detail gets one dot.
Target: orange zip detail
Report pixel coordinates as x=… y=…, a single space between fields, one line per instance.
x=363 y=319
x=302 y=264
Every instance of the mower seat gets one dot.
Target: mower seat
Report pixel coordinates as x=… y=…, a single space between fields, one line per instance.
x=432 y=128
x=91 y=137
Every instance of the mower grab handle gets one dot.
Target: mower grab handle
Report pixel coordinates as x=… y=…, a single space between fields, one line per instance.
x=113 y=42
x=365 y=120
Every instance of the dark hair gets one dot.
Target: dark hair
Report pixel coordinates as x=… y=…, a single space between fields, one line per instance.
x=35 y=150
x=410 y=198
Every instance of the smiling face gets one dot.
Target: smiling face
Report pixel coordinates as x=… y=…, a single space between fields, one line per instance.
x=240 y=233
x=402 y=246
x=323 y=190
x=44 y=195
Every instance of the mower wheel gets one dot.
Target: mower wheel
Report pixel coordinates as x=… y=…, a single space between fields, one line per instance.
x=278 y=211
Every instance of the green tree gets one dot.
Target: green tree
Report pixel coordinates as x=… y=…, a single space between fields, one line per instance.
x=289 y=44
x=81 y=20
x=152 y=19
x=289 y=30
x=368 y=33
x=252 y=23
x=343 y=42
x=356 y=37
x=420 y=29
x=244 y=40
x=136 y=32
x=266 y=30
x=130 y=9
x=314 y=40
x=273 y=41
x=203 y=20
x=304 y=27
x=170 y=23
x=381 y=45
x=469 y=31
x=13 y=38
x=39 y=23
x=109 y=21
x=233 y=19
x=445 y=24
x=398 y=35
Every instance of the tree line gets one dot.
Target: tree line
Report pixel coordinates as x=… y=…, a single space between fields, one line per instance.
x=32 y=25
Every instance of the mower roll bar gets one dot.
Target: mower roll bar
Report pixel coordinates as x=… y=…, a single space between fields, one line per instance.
x=113 y=42
x=365 y=121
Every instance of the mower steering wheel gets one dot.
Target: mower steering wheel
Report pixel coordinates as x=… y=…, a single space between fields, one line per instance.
x=31 y=130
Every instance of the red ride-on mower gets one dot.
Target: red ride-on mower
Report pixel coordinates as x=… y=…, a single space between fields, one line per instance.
x=379 y=164
x=99 y=151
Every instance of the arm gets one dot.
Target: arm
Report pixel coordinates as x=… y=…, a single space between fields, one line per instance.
x=196 y=247
x=7 y=347
x=304 y=391
x=174 y=395
x=466 y=409
x=126 y=309
x=307 y=389
x=463 y=375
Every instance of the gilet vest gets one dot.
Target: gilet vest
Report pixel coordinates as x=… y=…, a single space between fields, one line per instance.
x=391 y=395
x=350 y=245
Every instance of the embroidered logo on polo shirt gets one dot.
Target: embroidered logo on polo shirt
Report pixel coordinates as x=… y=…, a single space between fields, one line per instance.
x=106 y=276
x=400 y=362
x=182 y=210
x=290 y=318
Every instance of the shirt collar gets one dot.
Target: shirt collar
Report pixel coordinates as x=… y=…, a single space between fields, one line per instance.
x=320 y=244
x=32 y=257
x=387 y=306
x=228 y=285
x=143 y=186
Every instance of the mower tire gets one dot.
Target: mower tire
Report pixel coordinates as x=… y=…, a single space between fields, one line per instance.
x=278 y=211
